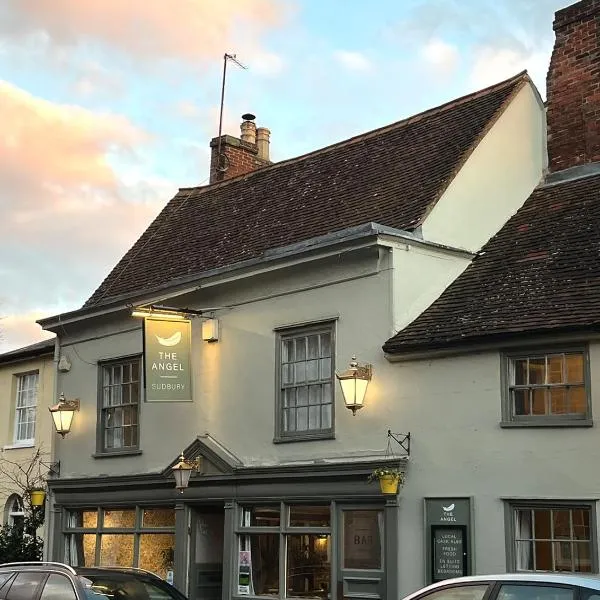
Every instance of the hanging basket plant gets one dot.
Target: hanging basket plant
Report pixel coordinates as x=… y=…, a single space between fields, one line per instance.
x=390 y=479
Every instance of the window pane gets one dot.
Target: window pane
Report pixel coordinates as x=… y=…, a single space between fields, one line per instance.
x=542 y=524
x=574 y=368
x=561 y=520
x=582 y=557
x=558 y=401
x=119 y=518
x=555 y=368
x=362 y=539
x=537 y=371
x=563 y=560
x=313 y=346
x=81 y=549
x=326 y=416
x=325 y=345
x=538 y=404
x=157 y=552
x=300 y=349
x=521 y=402
x=534 y=592
x=524 y=556
x=261 y=516
x=543 y=556
x=581 y=524
x=260 y=554
x=288 y=353
x=520 y=367
x=116 y=550
x=459 y=592
x=158 y=517
x=24 y=586
x=308 y=566
x=577 y=400
x=58 y=587
x=83 y=518
x=310 y=516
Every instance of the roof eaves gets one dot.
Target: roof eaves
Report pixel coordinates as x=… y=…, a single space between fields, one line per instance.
x=185 y=284
x=46 y=347
x=487 y=342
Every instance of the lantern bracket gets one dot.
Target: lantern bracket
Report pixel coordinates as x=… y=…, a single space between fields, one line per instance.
x=402 y=439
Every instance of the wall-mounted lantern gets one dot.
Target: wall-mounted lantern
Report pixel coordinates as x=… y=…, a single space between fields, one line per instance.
x=62 y=414
x=37 y=496
x=210 y=330
x=354 y=383
x=182 y=471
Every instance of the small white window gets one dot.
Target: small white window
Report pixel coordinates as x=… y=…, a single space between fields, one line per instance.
x=14 y=512
x=25 y=408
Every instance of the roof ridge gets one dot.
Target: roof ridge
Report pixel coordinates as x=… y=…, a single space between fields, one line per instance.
x=373 y=132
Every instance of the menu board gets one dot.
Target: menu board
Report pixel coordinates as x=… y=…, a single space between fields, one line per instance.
x=448 y=553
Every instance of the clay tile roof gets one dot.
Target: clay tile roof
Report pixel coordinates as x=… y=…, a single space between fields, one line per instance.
x=389 y=176
x=540 y=273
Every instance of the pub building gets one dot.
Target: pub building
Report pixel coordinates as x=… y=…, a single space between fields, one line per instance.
x=419 y=299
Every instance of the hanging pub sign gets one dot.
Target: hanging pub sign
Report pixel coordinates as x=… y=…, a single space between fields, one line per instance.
x=167 y=360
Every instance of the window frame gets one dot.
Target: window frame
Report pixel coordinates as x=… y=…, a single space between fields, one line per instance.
x=283 y=531
x=101 y=450
x=510 y=508
x=292 y=331
x=511 y=420
x=136 y=530
x=20 y=377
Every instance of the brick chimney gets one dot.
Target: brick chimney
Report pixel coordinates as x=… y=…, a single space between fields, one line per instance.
x=239 y=156
x=573 y=87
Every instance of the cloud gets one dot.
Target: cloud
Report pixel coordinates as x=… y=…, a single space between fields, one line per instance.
x=20 y=330
x=493 y=64
x=76 y=195
x=353 y=61
x=150 y=29
x=441 y=56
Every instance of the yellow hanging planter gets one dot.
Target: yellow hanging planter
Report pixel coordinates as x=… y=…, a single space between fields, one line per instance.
x=389 y=479
x=389 y=484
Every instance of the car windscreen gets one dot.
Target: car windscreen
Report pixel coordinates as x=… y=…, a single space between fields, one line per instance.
x=121 y=586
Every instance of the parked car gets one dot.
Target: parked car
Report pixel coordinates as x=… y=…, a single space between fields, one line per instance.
x=57 y=581
x=513 y=586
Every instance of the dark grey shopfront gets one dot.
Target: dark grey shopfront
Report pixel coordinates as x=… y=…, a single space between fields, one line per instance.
x=237 y=532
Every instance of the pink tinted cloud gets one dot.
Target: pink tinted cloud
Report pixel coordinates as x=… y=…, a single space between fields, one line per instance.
x=44 y=144
x=21 y=330
x=67 y=215
x=183 y=29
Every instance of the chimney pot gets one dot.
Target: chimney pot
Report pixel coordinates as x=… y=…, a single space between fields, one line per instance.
x=263 y=139
x=248 y=128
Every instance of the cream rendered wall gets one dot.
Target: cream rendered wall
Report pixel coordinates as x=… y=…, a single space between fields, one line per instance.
x=496 y=180
x=420 y=275
x=44 y=429
x=452 y=407
x=234 y=379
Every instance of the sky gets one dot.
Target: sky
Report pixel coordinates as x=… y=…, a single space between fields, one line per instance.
x=107 y=107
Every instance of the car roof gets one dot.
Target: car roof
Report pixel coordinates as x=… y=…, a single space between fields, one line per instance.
x=584 y=580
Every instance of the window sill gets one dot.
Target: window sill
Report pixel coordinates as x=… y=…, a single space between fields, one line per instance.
x=19 y=446
x=118 y=453
x=548 y=423
x=315 y=437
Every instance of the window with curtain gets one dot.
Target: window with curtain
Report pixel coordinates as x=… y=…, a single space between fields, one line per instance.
x=553 y=538
x=306 y=382
x=26 y=408
x=120 y=393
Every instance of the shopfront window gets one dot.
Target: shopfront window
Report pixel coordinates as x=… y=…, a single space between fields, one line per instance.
x=301 y=534
x=131 y=537
x=363 y=534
